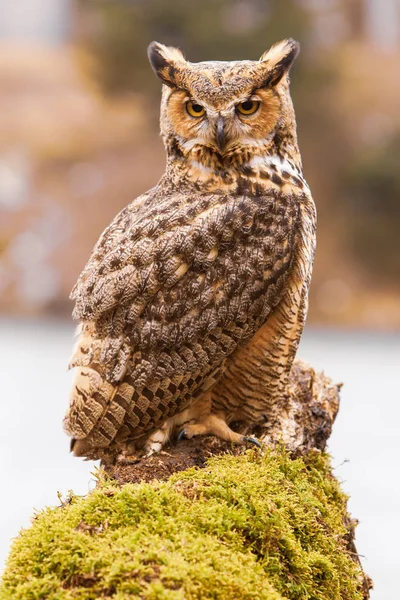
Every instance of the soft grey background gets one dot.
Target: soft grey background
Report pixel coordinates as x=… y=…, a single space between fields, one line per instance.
x=365 y=444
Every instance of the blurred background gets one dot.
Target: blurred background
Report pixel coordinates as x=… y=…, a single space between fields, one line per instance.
x=79 y=139
x=79 y=134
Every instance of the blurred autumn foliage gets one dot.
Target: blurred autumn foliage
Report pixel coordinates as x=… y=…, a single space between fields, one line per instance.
x=79 y=139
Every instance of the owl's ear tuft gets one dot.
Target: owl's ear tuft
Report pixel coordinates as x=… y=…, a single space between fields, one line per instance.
x=279 y=59
x=165 y=62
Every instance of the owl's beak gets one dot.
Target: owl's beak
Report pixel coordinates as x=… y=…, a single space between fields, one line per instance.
x=221 y=134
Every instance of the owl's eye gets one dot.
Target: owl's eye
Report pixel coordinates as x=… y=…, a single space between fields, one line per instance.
x=248 y=108
x=195 y=110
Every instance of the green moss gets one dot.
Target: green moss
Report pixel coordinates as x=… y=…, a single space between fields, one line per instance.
x=246 y=527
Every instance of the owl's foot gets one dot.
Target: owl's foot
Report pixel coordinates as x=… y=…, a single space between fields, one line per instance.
x=157 y=441
x=251 y=440
x=215 y=425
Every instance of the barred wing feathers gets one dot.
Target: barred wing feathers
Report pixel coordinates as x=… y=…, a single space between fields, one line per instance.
x=174 y=285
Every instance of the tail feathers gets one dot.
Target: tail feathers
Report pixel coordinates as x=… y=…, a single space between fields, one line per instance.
x=97 y=412
x=99 y=402
x=84 y=449
x=91 y=398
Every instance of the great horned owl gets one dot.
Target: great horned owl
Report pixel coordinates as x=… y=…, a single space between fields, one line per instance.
x=194 y=298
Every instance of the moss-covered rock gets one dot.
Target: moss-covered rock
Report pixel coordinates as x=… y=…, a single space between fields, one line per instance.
x=245 y=527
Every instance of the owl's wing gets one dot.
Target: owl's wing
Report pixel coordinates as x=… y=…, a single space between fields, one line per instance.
x=173 y=287
x=164 y=257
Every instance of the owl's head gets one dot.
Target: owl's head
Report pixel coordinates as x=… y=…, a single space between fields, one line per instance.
x=225 y=107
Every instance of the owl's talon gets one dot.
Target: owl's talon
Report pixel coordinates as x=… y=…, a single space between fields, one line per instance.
x=251 y=440
x=181 y=435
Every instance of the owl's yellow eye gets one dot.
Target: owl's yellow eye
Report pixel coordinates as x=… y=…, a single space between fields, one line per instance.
x=195 y=110
x=248 y=108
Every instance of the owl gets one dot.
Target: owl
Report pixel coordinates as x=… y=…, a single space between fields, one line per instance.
x=193 y=301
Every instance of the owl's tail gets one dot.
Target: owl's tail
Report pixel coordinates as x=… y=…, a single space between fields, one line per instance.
x=90 y=398
x=97 y=409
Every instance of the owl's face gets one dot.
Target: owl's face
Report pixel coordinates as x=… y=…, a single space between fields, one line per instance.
x=222 y=106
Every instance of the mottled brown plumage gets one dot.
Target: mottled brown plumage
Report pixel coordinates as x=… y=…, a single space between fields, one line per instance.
x=194 y=299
